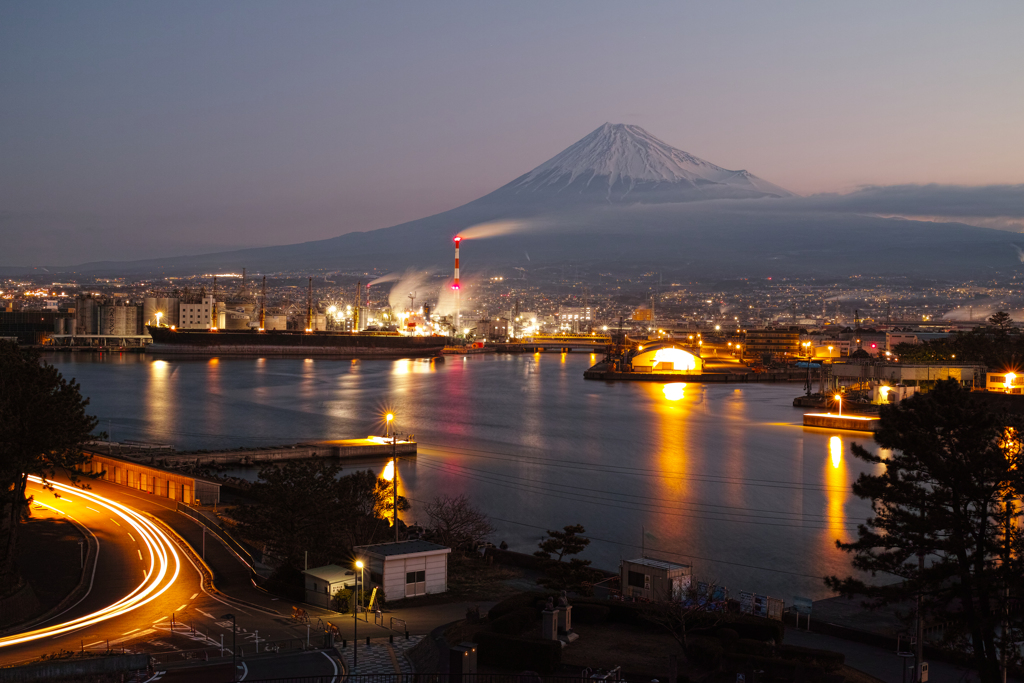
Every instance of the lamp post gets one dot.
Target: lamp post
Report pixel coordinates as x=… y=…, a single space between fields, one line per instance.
x=158 y=316
x=807 y=352
x=355 y=618
x=234 y=630
x=387 y=423
x=839 y=397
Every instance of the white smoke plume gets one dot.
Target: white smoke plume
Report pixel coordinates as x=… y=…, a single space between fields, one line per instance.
x=390 y=277
x=494 y=229
x=412 y=281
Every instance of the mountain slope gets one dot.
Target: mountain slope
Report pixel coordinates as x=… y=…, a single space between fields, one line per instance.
x=622 y=198
x=623 y=163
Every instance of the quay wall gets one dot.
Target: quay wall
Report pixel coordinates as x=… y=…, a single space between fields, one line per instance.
x=271 y=350
x=354 y=448
x=841 y=422
x=710 y=377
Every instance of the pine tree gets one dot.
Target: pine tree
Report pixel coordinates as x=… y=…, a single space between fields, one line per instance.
x=944 y=501
x=43 y=424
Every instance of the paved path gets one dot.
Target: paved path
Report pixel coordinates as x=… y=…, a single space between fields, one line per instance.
x=380 y=656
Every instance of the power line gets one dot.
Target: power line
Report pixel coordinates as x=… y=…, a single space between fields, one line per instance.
x=573 y=488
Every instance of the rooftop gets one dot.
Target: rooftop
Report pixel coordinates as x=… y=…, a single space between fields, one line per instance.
x=402 y=548
x=658 y=564
x=331 y=573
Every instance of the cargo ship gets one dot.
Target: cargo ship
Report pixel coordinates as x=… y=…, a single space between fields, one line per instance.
x=292 y=343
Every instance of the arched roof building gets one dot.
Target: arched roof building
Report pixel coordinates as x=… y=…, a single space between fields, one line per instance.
x=666 y=356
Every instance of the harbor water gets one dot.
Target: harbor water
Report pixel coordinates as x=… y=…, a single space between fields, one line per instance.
x=723 y=477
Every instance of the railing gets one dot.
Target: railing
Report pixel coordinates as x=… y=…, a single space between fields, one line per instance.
x=585 y=675
x=244 y=553
x=247 y=647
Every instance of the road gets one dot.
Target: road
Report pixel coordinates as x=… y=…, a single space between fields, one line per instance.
x=146 y=594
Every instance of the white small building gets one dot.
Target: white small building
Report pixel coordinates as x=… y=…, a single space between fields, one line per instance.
x=407 y=568
x=323 y=582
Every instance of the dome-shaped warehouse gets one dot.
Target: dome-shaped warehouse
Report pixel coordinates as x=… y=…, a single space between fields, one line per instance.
x=666 y=356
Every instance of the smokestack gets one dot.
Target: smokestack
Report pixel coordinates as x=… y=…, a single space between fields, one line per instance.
x=263 y=306
x=455 y=286
x=309 y=307
x=359 y=296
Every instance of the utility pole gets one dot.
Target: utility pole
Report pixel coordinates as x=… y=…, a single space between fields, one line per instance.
x=394 y=464
x=919 y=651
x=309 y=307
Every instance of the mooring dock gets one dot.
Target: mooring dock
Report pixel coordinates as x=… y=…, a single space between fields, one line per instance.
x=857 y=423
x=371 y=446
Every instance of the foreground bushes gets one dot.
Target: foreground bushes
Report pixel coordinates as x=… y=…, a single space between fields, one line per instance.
x=512 y=652
x=516 y=621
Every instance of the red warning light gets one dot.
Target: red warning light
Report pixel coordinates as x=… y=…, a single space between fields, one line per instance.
x=874 y=346
x=457 y=239
x=455 y=286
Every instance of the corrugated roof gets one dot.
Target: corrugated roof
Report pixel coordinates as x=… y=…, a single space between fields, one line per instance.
x=331 y=573
x=658 y=564
x=401 y=548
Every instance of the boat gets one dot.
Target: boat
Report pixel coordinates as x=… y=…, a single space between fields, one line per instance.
x=167 y=340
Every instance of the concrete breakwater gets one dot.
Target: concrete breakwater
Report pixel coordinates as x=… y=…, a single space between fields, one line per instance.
x=339 y=448
x=601 y=372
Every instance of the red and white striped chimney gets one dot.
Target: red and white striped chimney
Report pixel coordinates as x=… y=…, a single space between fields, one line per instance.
x=455 y=286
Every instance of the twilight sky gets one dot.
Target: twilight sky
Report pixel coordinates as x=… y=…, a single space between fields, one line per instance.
x=143 y=129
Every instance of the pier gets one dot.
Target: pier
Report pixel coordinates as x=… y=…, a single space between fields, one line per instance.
x=370 y=447
x=856 y=423
x=600 y=371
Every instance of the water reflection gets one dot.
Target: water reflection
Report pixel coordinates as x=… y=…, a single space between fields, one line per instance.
x=837 y=485
x=675 y=391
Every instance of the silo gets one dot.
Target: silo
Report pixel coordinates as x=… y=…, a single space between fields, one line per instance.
x=167 y=306
x=85 y=314
x=236 y=320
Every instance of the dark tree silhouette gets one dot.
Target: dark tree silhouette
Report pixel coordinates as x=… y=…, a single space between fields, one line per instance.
x=944 y=519
x=43 y=425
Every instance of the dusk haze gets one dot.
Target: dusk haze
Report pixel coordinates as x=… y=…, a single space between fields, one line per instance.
x=511 y=342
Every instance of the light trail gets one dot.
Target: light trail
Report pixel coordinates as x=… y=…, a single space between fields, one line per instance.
x=164 y=568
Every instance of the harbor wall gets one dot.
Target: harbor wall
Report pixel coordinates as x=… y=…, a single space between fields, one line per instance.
x=348 y=448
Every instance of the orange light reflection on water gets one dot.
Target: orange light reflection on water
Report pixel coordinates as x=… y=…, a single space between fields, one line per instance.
x=837 y=484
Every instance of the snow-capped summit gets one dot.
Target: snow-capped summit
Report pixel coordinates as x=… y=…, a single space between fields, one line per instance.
x=620 y=162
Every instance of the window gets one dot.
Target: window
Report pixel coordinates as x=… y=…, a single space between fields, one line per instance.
x=415 y=583
x=636 y=579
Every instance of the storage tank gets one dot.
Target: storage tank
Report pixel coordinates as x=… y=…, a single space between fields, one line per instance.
x=85 y=314
x=276 y=321
x=166 y=305
x=234 y=320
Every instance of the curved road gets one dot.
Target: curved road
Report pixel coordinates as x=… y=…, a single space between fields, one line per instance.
x=139 y=579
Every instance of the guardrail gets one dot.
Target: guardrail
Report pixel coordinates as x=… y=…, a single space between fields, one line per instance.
x=246 y=554
x=246 y=648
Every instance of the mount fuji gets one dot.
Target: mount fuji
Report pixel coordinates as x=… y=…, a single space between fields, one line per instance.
x=620 y=198
x=620 y=163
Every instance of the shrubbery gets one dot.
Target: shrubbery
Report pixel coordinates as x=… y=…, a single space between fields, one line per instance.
x=516 y=621
x=517 y=601
x=758 y=648
x=500 y=650
x=826 y=659
x=704 y=651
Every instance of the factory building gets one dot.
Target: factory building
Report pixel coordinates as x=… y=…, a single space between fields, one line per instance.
x=575 y=318
x=197 y=316
x=772 y=344
x=666 y=357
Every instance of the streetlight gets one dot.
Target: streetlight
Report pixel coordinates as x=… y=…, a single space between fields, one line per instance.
x=234 y=630
x=388 y=418
x=158 y=316
x=839 y=397
x=394 y=483
x=355 y=619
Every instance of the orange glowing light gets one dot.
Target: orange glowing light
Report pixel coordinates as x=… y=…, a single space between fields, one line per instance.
x=835 y=447
x=674 y=391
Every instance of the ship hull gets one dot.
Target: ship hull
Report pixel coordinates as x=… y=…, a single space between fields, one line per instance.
x=244 y=343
